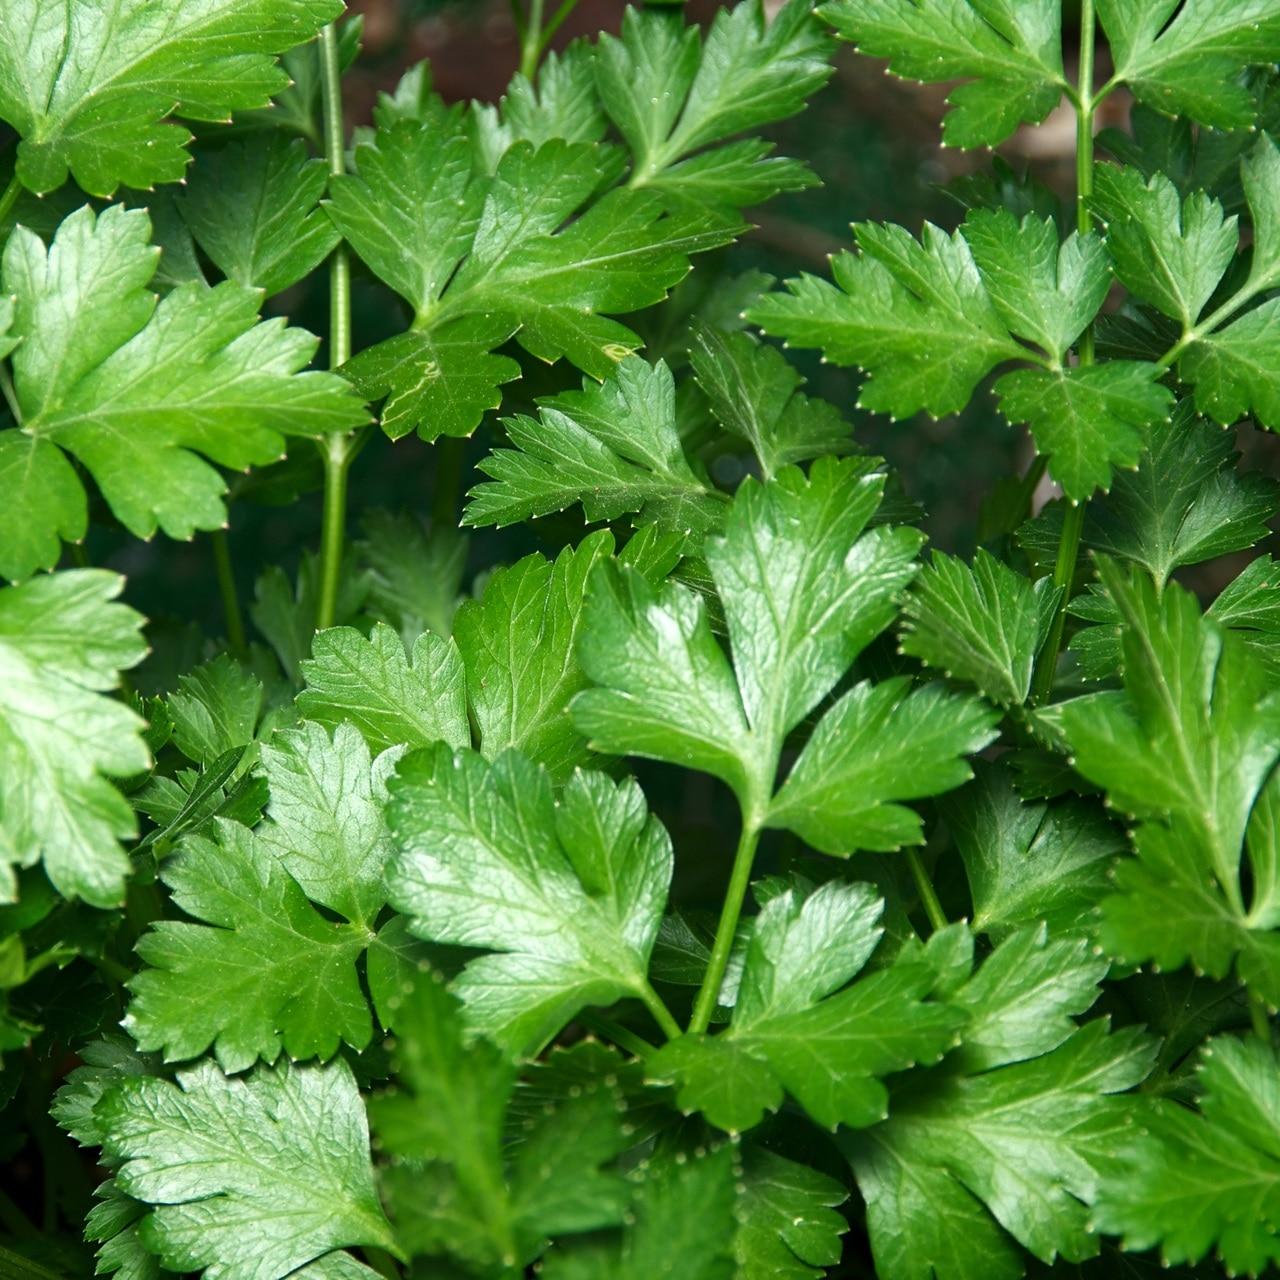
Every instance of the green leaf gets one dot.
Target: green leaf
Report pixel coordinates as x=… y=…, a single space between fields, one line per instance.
x=445 y=1122
x=1189 y=1180
x=754 y=393
x=215 y=709
x=1088 y=420
x=262 y=972
x=789 y=1227
x=255 y=1175
x=1045 y=291
x=137 y=392
x=392 y=699
x=984 y=624
x=1022 y=1144
x=1189 y=62
x=566 y=895
x=91 y=90
x=415 y=574
x=827 y=1053
x=614 y=447
x=1010 y=52
x=253 y=208
x=519 y=644
x=671 y=94
x=1028 y=862
x=914 y=315
x=63 y=644
x=1167 y=251
x=1186 y=503
x=880 y=744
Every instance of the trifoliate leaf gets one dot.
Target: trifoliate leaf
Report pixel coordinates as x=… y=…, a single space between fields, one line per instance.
x=1010 y=53
x=1189 y=62
x=983 y=623
x=827 y=1053
x=415 y=574
x=1186 y=503
x=1168 y=252
x=519 y=644
x=90 y=90
x=253 y=208
x=804 y=591
x=136 y=391
x=494 y=1204
x=914 y=314
x=250 y=1176
x=1021 y=1146
x=614 y=447
x=1088 y=420
x=1046 y=291
x=1210 y=735
x=1192 y=1180
x=671 y=94
x=567 y=896
x=880 y=744
x=62 y=646
x=264 y=972
x=789 y=1227
x=683 y=1209
x=1029 y=861
x=754 y=393
x=394 y=700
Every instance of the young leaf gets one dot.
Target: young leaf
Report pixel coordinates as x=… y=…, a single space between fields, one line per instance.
x=1011 y=54
x=1189 y=1180
x=136 y=391
x=1189 y=62
x=614 y=447
x=984 y=623
x=253 y=208
x=1027 y=862
x=254 y=1176
x=62 y=646
x=789 y=1227
x=415 y=574
x=915 y=315
x=90 y=90
x=215 y=709
x=567 y=896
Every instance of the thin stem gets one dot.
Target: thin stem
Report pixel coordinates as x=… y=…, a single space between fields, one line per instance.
x=337 y=460
x=727 y=928
x=661 y=1014
x=381 y=1262
x=557 y=21
x=9 y=197
x=1259 y=1016
x=928 y=895
x=227 y=589
x=531 y=43
x=10 y=395
x=615 y=1031
x=1073 y=521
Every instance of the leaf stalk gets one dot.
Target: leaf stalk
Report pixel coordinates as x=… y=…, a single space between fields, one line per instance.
x=236 y=638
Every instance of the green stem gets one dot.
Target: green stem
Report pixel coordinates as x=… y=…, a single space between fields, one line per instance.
x=1086 y=103
x=928 y=895
x=531 y=42
x=227 y=589
x=10 y=395
x=381 y=1262
x=1259 y=1016
x=615 y=1031
x=336 y=451
x=557 y=21
x=661 y=1014
x=727 y=928
x=9 y=197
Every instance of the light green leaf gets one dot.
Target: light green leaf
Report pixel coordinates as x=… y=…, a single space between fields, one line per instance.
x=1009 y=50
x=251 y=1176
x=915 y=315
x=62 y=647
x=566 y=896
x=139 y=393
x=880 y=744
x=789 y=1226
x=983 y=623
x=393 y=700
x=1189 y=62
x=253 y=208
x=1189 y=1180
x=89 y=89
x=1088 y=420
